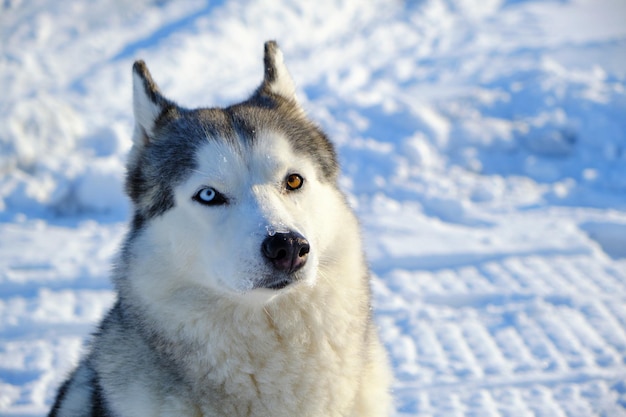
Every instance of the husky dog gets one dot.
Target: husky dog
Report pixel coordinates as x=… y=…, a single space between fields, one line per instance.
x=242 y=286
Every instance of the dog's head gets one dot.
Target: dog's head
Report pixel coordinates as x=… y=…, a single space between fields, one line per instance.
x=237 y=199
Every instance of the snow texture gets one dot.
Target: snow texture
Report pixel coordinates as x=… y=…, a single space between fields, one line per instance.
x=483 y=146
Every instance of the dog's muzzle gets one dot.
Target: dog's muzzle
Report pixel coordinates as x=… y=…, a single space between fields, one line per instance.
x=287 y=252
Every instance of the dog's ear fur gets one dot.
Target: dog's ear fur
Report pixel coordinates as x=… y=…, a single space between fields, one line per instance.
x=277 y=80
x=148 y=103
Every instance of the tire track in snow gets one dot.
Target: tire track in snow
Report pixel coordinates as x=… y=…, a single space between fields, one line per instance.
x=519 y=336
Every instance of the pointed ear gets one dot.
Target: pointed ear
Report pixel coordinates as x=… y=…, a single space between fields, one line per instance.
x=148 y=103
x=277 y=79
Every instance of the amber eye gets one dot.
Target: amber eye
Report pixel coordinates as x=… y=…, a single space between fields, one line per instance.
x=294 y=181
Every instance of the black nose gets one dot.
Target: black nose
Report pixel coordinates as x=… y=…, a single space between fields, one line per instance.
x=287 y=251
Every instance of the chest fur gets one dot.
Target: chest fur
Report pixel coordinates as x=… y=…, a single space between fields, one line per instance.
x=279 y=360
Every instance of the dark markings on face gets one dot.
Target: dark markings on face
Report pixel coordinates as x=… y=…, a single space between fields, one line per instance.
x=169 y=157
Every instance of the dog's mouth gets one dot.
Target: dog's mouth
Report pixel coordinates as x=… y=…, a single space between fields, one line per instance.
x=279 y=285
x=276 y=283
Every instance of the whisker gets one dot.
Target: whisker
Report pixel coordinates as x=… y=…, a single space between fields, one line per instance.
x=323 y=274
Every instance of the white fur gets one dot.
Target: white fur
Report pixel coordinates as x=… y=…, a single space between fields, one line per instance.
x=145 y=110
x=283 y=85
x=298 y=352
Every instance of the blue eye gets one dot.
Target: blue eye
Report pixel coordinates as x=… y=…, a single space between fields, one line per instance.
x=209 y=197
x=206 y=195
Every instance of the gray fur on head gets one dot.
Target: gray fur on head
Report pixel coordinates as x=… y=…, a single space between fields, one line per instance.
x=167 y=135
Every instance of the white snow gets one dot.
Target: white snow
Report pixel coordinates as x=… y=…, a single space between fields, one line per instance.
x=483 y=146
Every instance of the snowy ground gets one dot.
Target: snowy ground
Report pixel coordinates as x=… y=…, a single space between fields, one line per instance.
x=483 y=146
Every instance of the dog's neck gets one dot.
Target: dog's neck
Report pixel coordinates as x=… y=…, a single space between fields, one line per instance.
x=263 y=353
